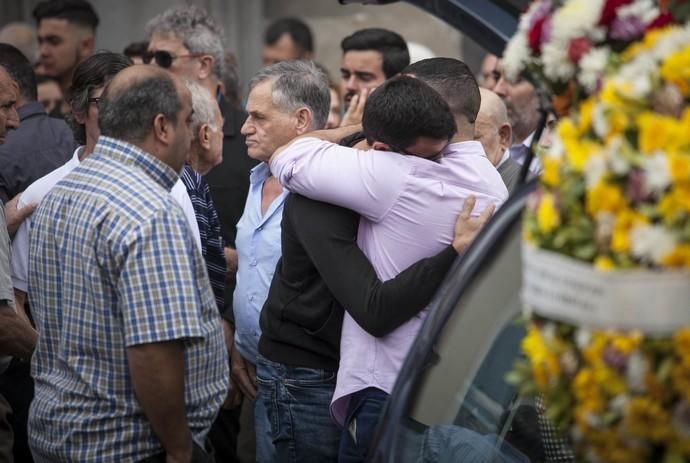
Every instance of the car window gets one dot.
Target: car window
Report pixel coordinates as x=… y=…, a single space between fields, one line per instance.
x=463 y=409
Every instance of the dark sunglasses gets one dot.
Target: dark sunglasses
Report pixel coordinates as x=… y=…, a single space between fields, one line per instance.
x=164 y=58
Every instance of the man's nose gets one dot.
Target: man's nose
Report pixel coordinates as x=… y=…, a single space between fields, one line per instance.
x=351 y=83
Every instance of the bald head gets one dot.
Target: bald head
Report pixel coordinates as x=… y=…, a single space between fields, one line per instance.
x=151 y=108
x=492 y=127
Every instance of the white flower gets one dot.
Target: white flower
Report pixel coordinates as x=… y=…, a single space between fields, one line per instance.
x=651 y=243
x=575 y=19
x=642 y=9
x=636 y=371
x=600 y=123
x=515 y=57
x=557 y=65
x=583 y=336
x=657 y=173
x=619 y=403
x=592 y=66
x=617 y=163
x=595 y=169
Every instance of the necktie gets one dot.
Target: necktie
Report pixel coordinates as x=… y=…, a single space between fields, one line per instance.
x=518 y=153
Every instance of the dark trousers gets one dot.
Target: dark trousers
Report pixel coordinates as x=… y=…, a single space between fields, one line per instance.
x=17 y=386
x=199 y=455
x=363 y=415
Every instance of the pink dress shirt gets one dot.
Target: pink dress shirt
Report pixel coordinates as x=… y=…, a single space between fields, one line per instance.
x=408 y=207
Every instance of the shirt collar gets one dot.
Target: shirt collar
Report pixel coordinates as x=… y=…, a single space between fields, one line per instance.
x=259 y=173
x=506 y=156
x=130 y=154
x=465 y=148
x=30 y=109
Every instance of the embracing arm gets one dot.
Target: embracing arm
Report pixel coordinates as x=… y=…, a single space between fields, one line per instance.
x=378 y=307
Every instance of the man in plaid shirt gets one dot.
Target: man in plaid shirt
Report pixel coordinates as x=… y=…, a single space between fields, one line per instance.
x=130 y=363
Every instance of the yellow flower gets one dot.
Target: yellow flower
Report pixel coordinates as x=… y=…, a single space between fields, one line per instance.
x=676 y=69
x=625 y=222
x=567 y=131
x=578 y=153
x=681 y=344
x=547 y=214
x=604 y=197
x=604 y=263
x=585 y=115
x=679 y=166
x=647 y=419
x=610 y=381
x=545 y=365
x=551 y=171
x=679 y=257
x=585 y=387
x=649 y=41
x=680 y=378
x=627 y=343
x=658 y=132
x=675 y=202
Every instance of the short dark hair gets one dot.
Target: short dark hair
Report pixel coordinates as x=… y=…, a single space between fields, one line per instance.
x=298 y=31
x=391 y=45
x=127 y=113
x=135 y=49
x=454 y=80
x=78 y=12
x=403 y=109
x=95 y=71
x=19 y=69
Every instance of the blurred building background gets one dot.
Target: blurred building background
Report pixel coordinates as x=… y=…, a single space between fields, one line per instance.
x=123 y=21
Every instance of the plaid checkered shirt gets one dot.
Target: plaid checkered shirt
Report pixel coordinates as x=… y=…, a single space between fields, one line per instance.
x=113 y=264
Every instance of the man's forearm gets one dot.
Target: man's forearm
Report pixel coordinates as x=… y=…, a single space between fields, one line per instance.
x=17 y=337
x=157 y=371
x=331 y=135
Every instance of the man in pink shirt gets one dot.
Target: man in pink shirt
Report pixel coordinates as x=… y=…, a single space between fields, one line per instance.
x=408 y=205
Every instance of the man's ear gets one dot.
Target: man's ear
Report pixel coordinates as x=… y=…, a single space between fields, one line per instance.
x=206 y=68
x=303 y=120
x=204 y=136
x=505 y=135
x=380 y=146
x=87 y=45
x=161 y=129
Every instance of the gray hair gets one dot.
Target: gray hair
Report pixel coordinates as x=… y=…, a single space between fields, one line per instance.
x=197 y=30
x=203 y=105
x=297 y=84
x=128 y=113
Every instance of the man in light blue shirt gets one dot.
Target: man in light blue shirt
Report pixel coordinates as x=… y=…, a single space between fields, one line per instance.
x=285 y=100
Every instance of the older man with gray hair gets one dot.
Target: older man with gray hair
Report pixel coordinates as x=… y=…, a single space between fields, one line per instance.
x=188 y=41
x=286 y=99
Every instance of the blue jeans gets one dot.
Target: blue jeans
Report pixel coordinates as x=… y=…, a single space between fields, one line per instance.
x=297 y=404
x=264 y=444
x=363 y=415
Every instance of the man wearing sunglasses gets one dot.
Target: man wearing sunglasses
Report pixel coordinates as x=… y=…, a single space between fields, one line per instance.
x=188 y=42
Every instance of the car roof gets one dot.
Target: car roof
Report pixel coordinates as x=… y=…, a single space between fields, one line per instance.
x=488 y=22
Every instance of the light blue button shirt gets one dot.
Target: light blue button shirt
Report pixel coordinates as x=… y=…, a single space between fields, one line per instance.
x=258 y=251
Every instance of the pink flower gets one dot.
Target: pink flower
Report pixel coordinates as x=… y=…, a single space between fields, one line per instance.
x=608 y=13
x=534 y=36
x=577 y=48
x=663 y=20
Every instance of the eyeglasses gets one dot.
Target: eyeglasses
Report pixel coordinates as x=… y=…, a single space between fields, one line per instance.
x=94 y=99
x=164 y=58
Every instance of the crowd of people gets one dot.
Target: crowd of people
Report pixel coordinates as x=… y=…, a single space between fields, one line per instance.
x=189 y=275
